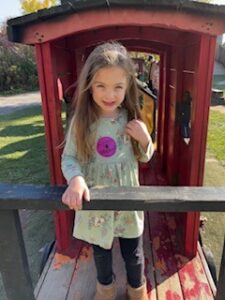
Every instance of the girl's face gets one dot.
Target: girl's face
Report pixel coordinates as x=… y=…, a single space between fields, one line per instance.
x=108 y=89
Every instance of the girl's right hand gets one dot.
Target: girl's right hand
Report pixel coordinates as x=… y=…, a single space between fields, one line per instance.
x=75 y=193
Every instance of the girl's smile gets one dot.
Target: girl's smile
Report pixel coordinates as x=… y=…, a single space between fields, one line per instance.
x=108 y=89
x=109 y=104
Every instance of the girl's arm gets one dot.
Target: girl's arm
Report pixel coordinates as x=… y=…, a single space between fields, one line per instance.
x=77 y=189
x=138 y=131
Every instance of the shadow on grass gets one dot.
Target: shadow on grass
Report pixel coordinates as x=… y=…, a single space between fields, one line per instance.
x=22 y=130
x=24 y=162
x=23 y=153
x=30 y=111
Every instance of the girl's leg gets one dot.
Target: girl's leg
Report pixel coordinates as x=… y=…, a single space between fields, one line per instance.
x=103 y=263
x=132 y=252
x=105 y=288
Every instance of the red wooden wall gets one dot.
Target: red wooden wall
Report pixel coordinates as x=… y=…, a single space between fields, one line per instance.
x=55 y=62
x=182 y=68
x=187 y=70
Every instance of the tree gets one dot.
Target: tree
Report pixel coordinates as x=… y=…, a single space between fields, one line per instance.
x=17 y=66
x=29 y=6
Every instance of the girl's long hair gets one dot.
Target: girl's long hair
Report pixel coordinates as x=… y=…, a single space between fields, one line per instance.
x=85 y=111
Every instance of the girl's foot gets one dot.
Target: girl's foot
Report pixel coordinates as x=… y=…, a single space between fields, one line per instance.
x=105 y=292
x=139 y=293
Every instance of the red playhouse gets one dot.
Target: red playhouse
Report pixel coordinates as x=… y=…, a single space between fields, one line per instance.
x=183 y=34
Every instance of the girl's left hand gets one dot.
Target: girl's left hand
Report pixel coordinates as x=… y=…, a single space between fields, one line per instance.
x=138 y=131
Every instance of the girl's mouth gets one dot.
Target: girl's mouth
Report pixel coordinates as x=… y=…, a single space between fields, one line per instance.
x=109 y=103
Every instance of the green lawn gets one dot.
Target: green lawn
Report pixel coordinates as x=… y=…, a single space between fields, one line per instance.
x=23 y=156
x=215 y=176
x=216 y=136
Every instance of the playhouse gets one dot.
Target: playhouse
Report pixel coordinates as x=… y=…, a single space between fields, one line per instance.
x=183 y=34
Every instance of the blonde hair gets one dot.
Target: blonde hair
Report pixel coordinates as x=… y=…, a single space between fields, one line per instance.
x=84 y=110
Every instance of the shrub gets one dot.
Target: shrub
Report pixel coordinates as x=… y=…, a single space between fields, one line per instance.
x=17 y=66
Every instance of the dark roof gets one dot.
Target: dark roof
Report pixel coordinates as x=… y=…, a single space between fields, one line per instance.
x=75 y=6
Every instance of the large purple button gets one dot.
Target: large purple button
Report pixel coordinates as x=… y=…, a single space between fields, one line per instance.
x=106 y=146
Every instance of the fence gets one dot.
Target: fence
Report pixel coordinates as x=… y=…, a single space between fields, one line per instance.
x=13 y=263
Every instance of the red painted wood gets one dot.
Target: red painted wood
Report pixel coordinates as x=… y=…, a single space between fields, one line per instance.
x=54 y=133
x=168 y=282
x=54 y=111
x=171 y=102
x=188 y=82
x=164 y=102
x=195 y=167
x=177 y=276
x=183 y=152
x=63 y=65
x=175 y=85
x=141 y=176
x=154 y=175
x=42 y=85
x=192 y=275
x=149 y=266
x=161 y=103
x=191 y=233
x=144 y=46
x=201 y=109
x=80 y=59
x=93 y=19
x=154 y=36
x=183 y=162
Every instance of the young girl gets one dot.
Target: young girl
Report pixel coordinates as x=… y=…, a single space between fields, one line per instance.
x=105 y=140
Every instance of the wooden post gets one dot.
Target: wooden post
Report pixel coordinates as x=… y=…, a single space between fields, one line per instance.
x=13 y=263
x=220 y=295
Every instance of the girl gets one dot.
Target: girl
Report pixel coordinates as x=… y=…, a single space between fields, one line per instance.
x=105 y=140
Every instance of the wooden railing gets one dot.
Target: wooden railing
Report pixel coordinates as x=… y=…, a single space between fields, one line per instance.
x=13 y=263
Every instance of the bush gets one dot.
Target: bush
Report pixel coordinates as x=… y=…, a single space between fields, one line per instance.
x=17 y=67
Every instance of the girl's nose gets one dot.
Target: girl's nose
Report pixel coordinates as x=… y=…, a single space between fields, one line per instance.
x=110 y=93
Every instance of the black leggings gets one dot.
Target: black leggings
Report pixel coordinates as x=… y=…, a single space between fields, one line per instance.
x=132 y=253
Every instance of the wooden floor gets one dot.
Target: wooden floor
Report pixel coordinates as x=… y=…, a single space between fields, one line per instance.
x=170 y=275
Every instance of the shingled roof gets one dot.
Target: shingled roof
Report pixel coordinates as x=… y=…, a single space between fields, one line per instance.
x=69 y=7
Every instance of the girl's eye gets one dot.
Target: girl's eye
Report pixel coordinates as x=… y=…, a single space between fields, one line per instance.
x=119 y=87
x=100 y=86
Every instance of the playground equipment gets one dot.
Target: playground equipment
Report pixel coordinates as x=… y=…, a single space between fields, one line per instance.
x=183 y=34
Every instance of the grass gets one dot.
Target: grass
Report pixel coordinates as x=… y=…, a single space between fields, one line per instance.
x=214 y=228
x=23 y=156
x=23 y=159
x=216 y=136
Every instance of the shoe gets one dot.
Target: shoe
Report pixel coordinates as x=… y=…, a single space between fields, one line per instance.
x=105 y=292
x=139 y=293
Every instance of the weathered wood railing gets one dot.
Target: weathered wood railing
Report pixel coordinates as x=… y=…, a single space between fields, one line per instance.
x=13 y=262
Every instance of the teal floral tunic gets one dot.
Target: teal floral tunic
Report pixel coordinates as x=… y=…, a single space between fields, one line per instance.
x=113 y=164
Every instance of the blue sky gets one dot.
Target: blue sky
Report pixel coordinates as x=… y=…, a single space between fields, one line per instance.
x=11 y=9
